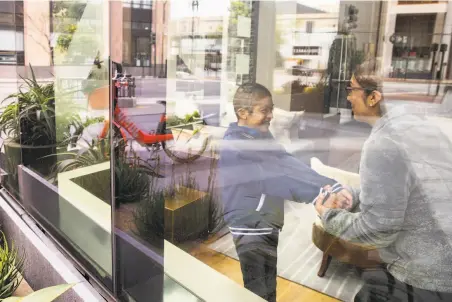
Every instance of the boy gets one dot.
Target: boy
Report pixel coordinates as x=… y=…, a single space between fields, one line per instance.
x=256 y=176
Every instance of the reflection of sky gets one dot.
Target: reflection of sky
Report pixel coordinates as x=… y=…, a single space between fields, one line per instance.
x=330 y=6
x=206 y=8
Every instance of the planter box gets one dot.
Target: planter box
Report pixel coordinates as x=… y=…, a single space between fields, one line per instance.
x=186 y=216
x=34 y=157
x=86 y=219
x=311 y=102
x=308 y=102
x=77 y=219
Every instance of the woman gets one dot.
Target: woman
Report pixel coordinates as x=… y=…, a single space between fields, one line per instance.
x=404 y=200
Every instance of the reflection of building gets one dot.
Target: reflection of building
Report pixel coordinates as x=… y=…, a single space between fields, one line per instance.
x=206 y=42
x=419 y=26
x=11 y=32
x=414 y=27
x=144 y=33
x=137 y=20
x=306 y=35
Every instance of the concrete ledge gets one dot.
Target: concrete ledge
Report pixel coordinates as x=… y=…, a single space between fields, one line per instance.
x=45 y=265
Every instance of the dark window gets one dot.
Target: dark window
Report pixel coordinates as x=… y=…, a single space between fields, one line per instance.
x=309 y=25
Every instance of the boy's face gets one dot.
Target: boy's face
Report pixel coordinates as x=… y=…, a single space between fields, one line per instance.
x=259 y=116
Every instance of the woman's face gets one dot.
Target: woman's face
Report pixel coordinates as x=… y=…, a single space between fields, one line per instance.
x=363 y=105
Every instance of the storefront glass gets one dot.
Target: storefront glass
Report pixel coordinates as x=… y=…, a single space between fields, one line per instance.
x=142 y=144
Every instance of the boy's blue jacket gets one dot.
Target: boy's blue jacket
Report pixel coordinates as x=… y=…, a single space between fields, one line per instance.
x=256 y=175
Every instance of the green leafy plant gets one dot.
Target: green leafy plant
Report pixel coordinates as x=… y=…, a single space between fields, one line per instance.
x=66 y=20
x=11 y=268
x=97 y=152
x=149 y=215
x=188 y=118
x=295 y=86
x=44 y=295
x=131 y=172
x=132 y=180
x=75 y=129
x=31 y=119
x=185 y=181
x=216 y=219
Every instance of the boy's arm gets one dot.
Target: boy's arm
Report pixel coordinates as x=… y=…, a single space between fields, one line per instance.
x=280 y=176
x=291 y=179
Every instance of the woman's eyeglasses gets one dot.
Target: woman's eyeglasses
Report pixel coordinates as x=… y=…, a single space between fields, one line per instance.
x=367 y=90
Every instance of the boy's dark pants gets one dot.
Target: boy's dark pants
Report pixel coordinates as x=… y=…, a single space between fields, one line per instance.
x=381 y=286
x=258 y=259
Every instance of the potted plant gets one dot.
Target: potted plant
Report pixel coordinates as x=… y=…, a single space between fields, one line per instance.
x=28 y=122
x=305 y=97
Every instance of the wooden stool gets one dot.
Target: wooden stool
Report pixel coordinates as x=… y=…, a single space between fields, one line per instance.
x=362 y=256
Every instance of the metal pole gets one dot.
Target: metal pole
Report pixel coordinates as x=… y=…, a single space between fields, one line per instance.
x=443 y=49
x=435 y=47
x=345 y=58
x=193 y=4
x=162 y=33
x=339 y=77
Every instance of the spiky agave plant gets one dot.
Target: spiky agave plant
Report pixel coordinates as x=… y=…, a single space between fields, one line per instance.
x=132 y=179
x=131 y=172
x=11 y=268
x=97 y=152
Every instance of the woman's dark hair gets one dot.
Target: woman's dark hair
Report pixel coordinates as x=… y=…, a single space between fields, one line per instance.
x=368 y=77
x=247 y=94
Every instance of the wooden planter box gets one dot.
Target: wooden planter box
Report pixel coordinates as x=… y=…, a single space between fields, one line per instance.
x=186 y=216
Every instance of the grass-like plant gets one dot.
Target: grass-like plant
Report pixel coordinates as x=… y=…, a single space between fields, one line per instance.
x=11 y=268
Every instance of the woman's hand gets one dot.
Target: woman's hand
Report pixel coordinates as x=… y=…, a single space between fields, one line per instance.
x=345 y=199
x=342 y=200
x=321 y=205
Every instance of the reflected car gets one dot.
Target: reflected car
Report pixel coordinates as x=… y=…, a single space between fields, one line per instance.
x=299 y=70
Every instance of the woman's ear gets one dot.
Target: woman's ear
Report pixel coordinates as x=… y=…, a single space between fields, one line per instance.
x=374 y=98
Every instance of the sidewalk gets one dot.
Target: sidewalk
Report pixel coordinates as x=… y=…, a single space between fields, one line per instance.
x=415 y=96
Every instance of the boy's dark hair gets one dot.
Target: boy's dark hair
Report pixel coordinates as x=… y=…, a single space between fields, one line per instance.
x=247 y=94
